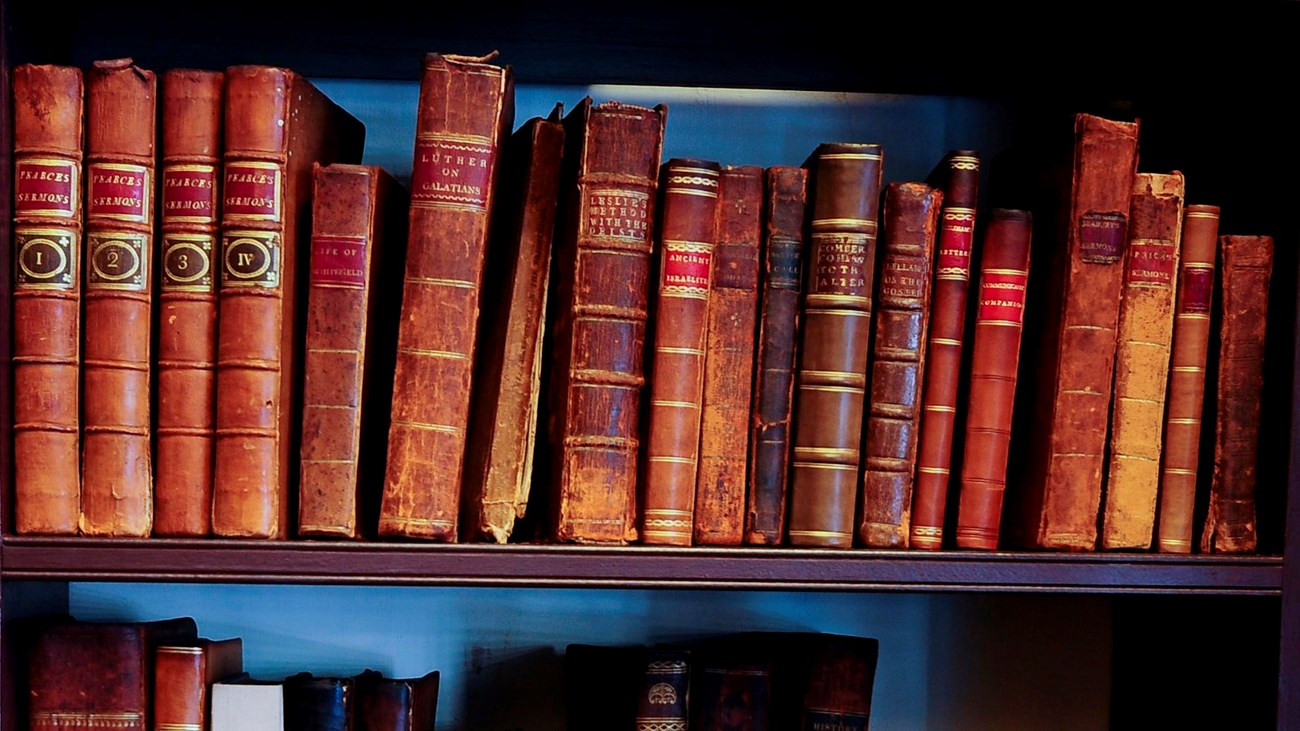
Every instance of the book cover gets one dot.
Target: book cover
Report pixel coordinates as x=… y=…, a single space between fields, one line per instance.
x=319 y=703
x=183 y=678
x=731 y=684
x=396 y=704
x=839 y=681
x=247 y=704
x=662 y=700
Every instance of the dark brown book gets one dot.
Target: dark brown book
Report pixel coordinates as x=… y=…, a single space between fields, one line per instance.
x=687 y=238
x=602 y=289
x=183 y=678
x=731 y=684
x=839 y=682
x=602 y=686
x=48 y=129
x=508 y=370
x=277 y=124
x=911 y=222
x=319 y=703
x=1246 y=263
x=466 y=111
x=959 y=175
x=193 y=103
x=396 y=704
x=832 y=374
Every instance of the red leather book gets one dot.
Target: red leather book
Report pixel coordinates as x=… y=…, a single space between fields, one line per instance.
x=396 y=704
x=48 y=127
x=959 y=175
x=116 y=458
x=832 y=374
x=465 y=112
x=190 y=192
x=687 y=238
x=183 y=678
x=277 y=124
x=784 y=205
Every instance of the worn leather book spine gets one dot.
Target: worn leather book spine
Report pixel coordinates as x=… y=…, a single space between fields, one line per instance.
x=1146 y=326
x=396 y=704
x=1191 y=344
x=602 y=287
x=1247 y=265
x=784 y=206
x=994 y=369
x=48 y=129
x=731 y=684
x=902 y=307
x=960 y=173
x=831 y=377
x=465 y=112
x=508 y=372
x=276 y=125
x=687 y=238
x=190 y=192
x=116 y=458
x=663 y=699
x=839 y=682
x=319 y=704
x=183 y=678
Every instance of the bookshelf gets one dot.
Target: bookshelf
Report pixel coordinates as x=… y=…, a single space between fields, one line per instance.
x=1207 y=112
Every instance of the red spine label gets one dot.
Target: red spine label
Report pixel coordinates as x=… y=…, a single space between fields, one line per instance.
x=955 y=238
x=841 y=264
x=252 y=191
x=451 y=172
x=1102 y=237
x=686 y=269
x=1195 y=290
x=189 y=194
x=119 y=192
x=338 y=261
x=1150 y=263
x=1002 y=297
x=45 y=187
x=902 y=279
x=621 y=215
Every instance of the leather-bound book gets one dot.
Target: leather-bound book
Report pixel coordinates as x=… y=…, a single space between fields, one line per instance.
x=396 y=704
x=277 y=124
x=902 y=307
x=192 y=106
x=839 y=681
x=466 y=110
x=994 y=368
x=602 y=289
x=183 y=678
x=248 y=704
x=731 y=684
x=319 y=704
x=357 y=243
x=687 y=237
x=831 y=377
x=1246 y=263
x=1146 y=326
x=1191 y=343
x=116 y=456
x=48 y=128
x=958 y=175
x=785 y=197
x=662 y=702
x=729 y=360
x=508 y=370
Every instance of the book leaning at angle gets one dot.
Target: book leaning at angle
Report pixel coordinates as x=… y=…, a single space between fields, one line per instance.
x=396 y=704
x=183 y=676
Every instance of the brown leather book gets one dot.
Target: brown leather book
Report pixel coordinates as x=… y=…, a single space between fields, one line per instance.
x=190 y=191
x=687 y=237
x=958 y=175
x=729 y=360
x=183 y=678
x=784 y=205
x=995 y=362
x=1246 y=263
x=839 y=682
x=602 y=291
x=277 y=124
x=1146 y=326
x=358 y=240
x=466 y=111
x=508 y=370
x=902 y=307
x=116 y=458
x=1191 y=342
x=48 y=123
x=831 y=377
x=396 y=704
x=319 y=703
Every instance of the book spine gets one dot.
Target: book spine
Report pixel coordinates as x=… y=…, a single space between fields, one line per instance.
x=180 y=688
x=839 y=683
x=1247 y=265
x=116 y=461
x=662 y=703
x=466 y=108
x=48 y=122
x=1191 y=344
x=784 y=206
x=190 y=191
x=832 y=374
x=319 y=704
x=902 y=304
x=995 y=362
x=1146 y=326
x=947 y=331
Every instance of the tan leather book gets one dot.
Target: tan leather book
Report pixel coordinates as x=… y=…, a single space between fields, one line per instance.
x=831 y=377
x=48 y=128
x=183 y=678
x=116 y=456
x=1191 y=343
x=729 y=360
x=508 y=370
x=466 y=111
x=911 y=222
x=687 y=238
x=193 y=103
x=358 y=240
x=602 y=290
x=1146 y=326
x=277 y=124
x=1246 y=263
